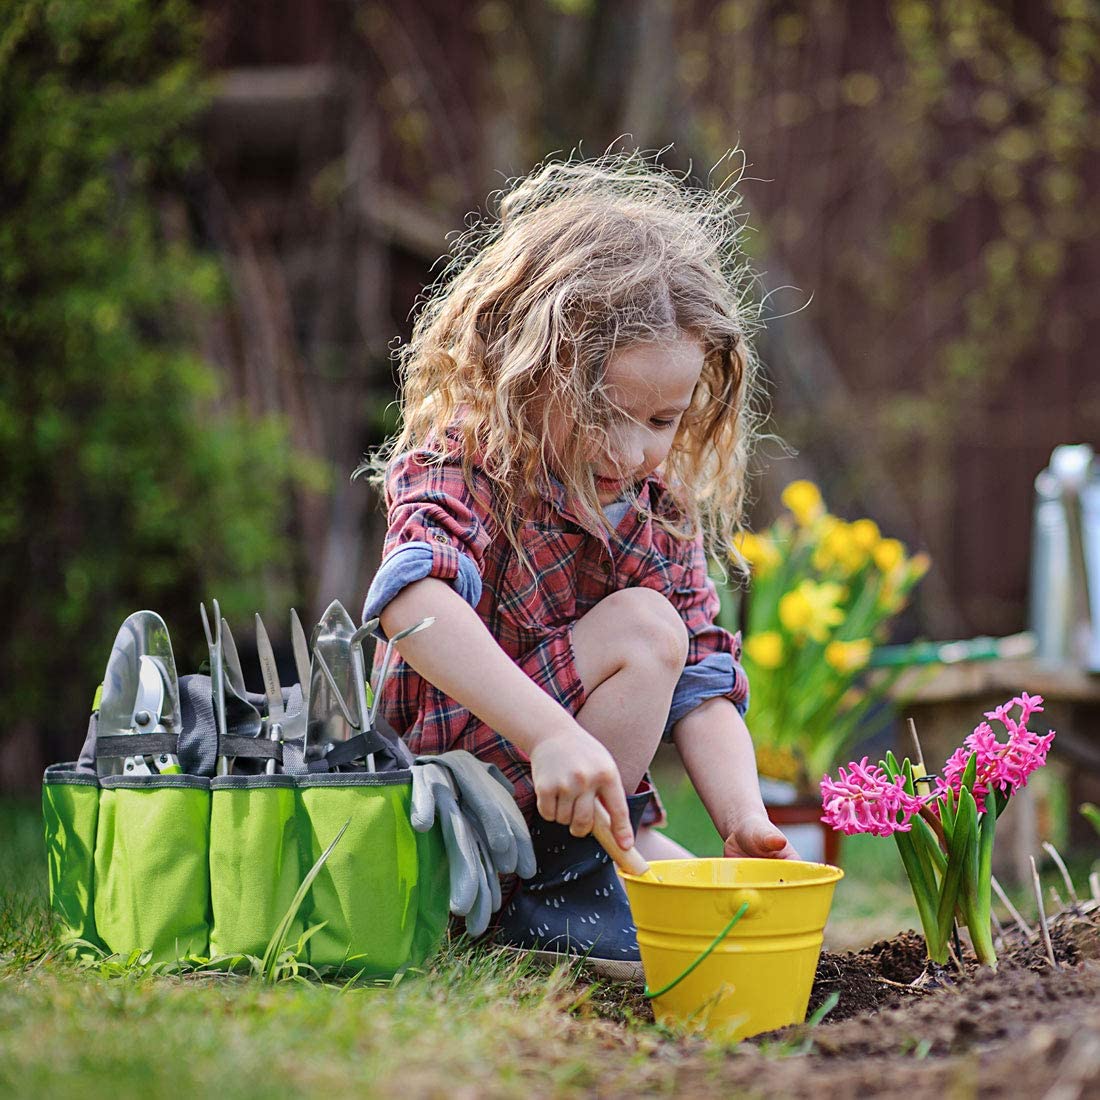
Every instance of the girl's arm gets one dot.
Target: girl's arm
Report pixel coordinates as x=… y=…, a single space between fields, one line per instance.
x=715 y=746
x=461 y=658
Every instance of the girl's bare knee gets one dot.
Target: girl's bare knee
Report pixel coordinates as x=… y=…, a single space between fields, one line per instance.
x=648 y=626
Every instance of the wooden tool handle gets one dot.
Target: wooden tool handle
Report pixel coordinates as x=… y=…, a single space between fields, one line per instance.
x=629 y=859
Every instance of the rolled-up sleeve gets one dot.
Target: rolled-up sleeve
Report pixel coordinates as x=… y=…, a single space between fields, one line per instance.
x=438 y=525
x=713 y=665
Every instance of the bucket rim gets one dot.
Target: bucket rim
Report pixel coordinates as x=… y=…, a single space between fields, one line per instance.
x=830 y=874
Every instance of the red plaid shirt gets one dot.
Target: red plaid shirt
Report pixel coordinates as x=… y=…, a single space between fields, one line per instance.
x=577 y=566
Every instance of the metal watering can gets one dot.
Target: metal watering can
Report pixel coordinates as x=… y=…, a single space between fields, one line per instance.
x=1065 y=559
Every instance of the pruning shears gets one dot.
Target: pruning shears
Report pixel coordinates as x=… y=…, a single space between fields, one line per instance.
x=139 y=697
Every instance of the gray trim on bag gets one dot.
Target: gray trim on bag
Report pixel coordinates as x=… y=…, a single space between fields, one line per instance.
x=152 y=782
x=251 y=782
x=395 y=778
x=69 y=774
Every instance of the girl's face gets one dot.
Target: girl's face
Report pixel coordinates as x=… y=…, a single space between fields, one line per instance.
x=651 y=386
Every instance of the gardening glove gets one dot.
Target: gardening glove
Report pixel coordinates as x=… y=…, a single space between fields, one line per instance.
x=474 y=885
x=485 y=796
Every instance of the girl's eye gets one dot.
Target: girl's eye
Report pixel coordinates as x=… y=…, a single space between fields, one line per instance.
x=662 y=423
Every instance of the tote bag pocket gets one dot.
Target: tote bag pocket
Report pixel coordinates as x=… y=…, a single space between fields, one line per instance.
x=369 y=892
x=255 y=865
x=70 y=811
x=152 y=886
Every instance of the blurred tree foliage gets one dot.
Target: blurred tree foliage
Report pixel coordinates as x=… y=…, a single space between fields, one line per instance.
x=124 y=481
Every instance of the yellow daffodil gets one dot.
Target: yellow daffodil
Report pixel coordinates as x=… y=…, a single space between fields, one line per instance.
x=759 y=551
x=776 y=762
x=838 y=547
x=803 y=498
x=866 y=535
x=888 y=555
x=848 y=657
x=765 y=649
x=811 y=609
x=892 y=598
x=919 y=564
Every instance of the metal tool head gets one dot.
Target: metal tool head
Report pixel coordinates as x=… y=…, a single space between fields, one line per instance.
x=140 y=678
x=120 y=683
x=232 y=660
x=217 y=677
x=332 y=696
x=234 y=715
x=273 y=689
x=301 y=650
x=414 y=629
x=148 y=716
x=385 y=669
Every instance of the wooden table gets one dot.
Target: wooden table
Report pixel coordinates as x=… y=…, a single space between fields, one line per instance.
x=948 y=701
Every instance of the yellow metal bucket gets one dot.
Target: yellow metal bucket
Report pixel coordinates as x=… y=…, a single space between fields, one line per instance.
x=760 y=974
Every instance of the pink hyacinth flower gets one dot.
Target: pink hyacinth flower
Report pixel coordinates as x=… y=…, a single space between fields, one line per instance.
x=1004 y=765
x=864 y=799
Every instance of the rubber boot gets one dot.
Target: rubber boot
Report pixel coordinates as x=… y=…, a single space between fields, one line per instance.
x=575 y=904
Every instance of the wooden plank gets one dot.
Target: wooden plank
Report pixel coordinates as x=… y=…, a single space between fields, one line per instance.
x=980 y=679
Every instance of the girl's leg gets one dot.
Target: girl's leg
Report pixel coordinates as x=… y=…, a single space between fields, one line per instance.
x=653 y=844
x=629 y=651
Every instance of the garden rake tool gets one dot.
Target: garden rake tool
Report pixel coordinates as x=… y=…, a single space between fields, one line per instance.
x=140 y=698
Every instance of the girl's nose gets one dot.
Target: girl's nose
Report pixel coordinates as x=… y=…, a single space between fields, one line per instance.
x=634 y=455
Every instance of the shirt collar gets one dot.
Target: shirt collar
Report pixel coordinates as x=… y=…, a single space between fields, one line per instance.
x=553 y=492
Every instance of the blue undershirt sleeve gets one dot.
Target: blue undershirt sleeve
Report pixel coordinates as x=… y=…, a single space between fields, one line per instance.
x=714 y=675
x=412 y=561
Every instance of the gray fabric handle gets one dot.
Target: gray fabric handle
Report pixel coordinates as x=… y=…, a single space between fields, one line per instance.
x=136 y=744
x=252 y=748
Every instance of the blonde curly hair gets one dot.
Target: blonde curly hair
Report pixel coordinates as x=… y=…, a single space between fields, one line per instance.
x=584 y=258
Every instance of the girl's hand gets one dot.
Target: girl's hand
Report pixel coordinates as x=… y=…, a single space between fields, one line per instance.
x=756 y=837
x=570 y=770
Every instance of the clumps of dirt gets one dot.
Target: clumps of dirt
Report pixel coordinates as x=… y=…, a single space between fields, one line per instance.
x=871 y=979
x=1028 y=1030
x=900 y=959
x=1074 y=935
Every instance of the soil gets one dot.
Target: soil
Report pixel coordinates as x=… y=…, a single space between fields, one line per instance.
x=1028 y=1030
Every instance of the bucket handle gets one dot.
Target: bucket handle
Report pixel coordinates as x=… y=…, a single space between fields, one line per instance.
x=717 y=940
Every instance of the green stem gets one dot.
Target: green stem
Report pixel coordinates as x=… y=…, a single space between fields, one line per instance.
x=924 y=895
x=962 y=839
x=979 y=921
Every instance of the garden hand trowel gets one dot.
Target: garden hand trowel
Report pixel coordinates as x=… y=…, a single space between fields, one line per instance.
x=140 y=695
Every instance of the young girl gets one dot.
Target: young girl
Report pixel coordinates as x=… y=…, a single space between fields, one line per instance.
x=577 y=399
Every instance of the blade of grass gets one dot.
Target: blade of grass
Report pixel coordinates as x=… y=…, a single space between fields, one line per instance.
x=278 y=939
